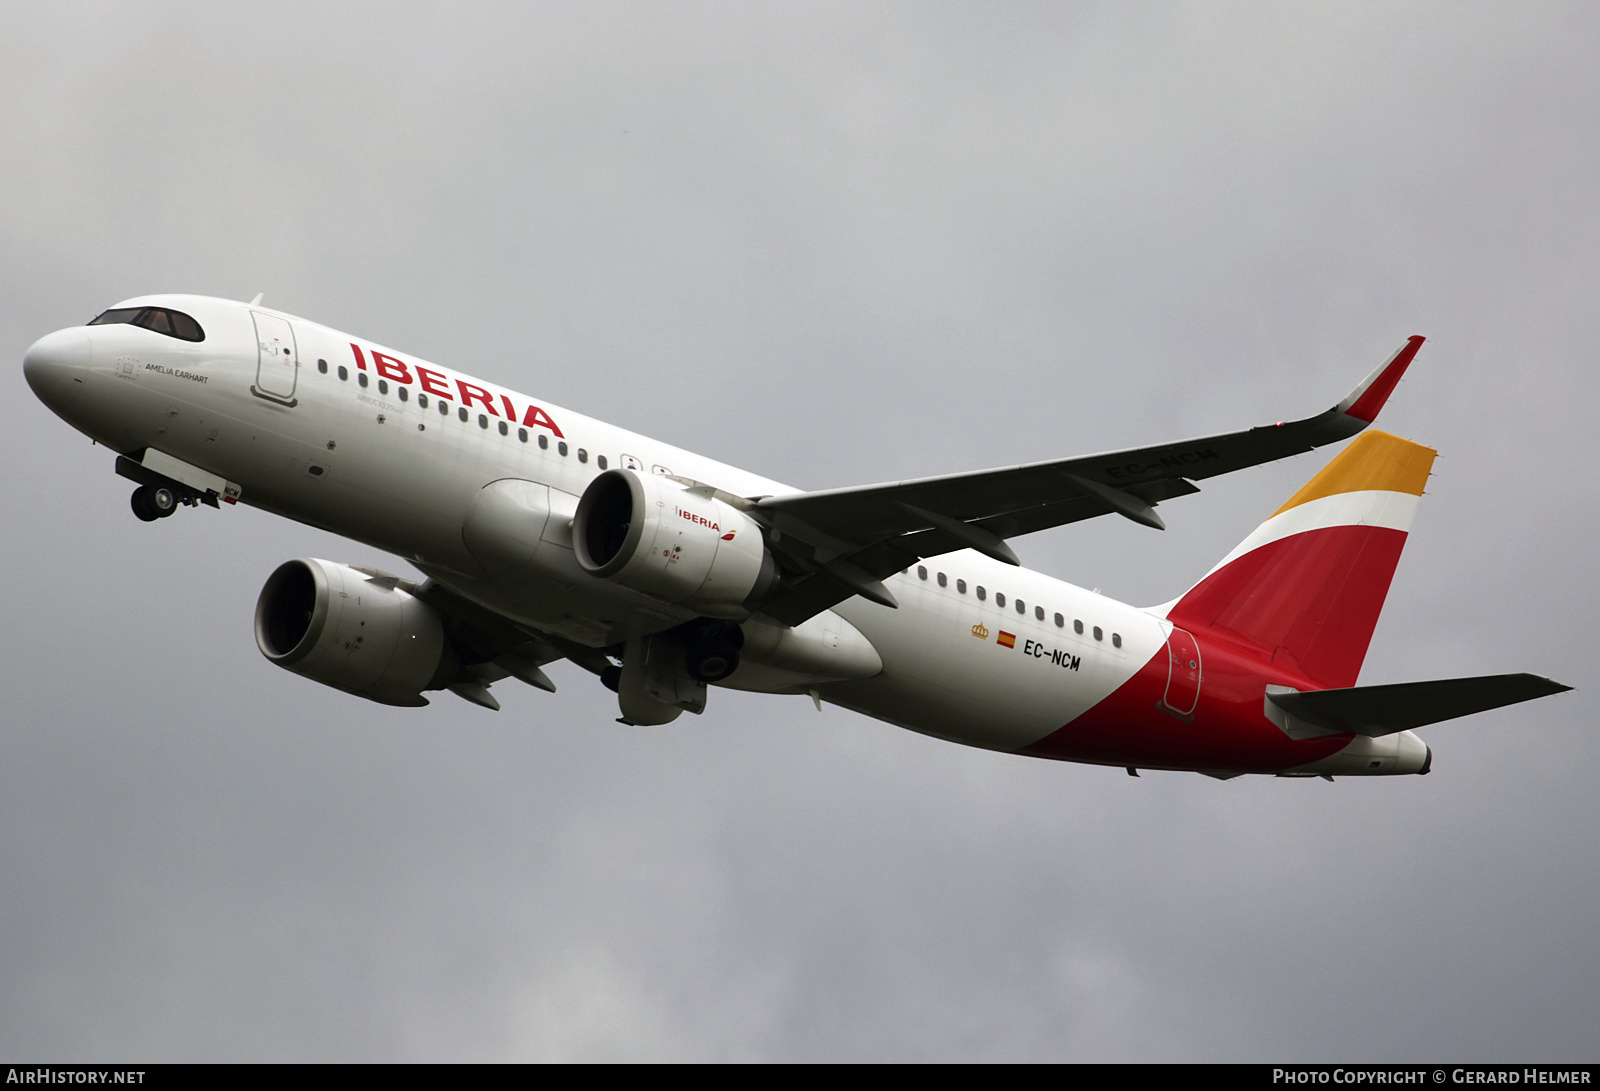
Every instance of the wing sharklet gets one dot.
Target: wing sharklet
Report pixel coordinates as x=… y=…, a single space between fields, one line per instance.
x=1364 y=402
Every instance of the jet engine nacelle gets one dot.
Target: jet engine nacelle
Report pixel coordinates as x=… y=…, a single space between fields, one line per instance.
x=353 y=631
x=679 y=545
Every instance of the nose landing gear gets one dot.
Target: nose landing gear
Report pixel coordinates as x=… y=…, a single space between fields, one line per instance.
x=160 y=491
x=152 y=502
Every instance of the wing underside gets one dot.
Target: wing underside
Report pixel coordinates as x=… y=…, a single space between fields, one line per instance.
x=836 y=543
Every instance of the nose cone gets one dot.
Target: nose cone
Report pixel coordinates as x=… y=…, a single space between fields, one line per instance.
x=57 y=366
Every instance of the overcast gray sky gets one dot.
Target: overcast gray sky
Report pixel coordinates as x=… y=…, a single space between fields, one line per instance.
x=831 y=243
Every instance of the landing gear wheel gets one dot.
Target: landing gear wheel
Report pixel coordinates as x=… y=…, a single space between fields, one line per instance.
x=140 y=502
x=152 y=502
x=710 y=648
x=712 y=662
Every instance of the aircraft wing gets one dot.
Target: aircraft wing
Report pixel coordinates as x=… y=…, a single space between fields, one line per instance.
x=842 y=542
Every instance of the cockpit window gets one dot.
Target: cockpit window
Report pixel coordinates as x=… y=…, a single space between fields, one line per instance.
x=156 y=319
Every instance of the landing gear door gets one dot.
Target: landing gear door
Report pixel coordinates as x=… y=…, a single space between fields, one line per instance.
x=277 y=360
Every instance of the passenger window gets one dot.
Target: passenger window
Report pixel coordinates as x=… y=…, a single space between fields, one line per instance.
x=444 y=408
x=1061 y=622
x=544 y=442
x=322 y=366
x=1077 y=627
x=483 y=421
x=504 y=430
x=980 y=593
x=922 y=573
x=943 y=581
x=999 y=598
x=461 y=414
x=522 y=434
x=1038 y=613
x=344 y=373
x=1021 y=607
x=383 y=386
x=561 y=448
x=405 y=395
x=1098 y=635
x=600 y=460
x=362 y=378
x=961 y=587
x=1116 y=640
x=583 y=456
x=422 y=399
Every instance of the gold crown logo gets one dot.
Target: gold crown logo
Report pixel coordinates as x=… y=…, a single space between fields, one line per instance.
x=980 y=632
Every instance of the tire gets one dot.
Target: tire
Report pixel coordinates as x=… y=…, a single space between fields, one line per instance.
x=712 y=662
x=163 y=501
x=142 y=504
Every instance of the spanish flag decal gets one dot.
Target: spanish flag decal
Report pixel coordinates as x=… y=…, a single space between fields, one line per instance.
x=1007 y=640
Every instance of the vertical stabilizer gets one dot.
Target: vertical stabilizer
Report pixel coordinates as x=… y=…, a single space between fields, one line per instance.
x=1306 y=588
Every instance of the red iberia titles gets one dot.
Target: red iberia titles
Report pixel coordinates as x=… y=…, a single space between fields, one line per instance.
x=701 y=519
x=437 y=383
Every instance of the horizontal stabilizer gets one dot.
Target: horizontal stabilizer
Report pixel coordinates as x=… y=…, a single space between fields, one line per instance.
x=1383 y=710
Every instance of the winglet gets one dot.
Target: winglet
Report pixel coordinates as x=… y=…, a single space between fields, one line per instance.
x=1366 y=400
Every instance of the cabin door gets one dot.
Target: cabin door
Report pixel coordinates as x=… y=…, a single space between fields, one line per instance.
x=1183 y=673
x=277 y=361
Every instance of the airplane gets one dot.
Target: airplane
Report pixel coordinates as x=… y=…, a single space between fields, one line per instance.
x=544 y=535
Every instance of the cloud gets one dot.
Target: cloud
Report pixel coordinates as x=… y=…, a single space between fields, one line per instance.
x=831 y=244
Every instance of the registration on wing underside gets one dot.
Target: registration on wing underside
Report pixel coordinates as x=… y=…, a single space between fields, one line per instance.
x=1179 y=460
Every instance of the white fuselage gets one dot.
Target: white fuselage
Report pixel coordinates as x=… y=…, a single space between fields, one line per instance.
x=349 y=436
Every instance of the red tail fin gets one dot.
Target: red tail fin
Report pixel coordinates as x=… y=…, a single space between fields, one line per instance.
x=1306 y=588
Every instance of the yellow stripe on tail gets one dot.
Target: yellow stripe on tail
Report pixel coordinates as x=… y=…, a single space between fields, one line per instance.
x=1376 y=461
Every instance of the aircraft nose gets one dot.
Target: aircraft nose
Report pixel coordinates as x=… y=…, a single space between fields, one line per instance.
x=57 y=366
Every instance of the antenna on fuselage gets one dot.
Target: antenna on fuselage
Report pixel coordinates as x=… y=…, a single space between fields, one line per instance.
x=257 y=299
